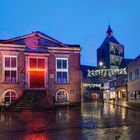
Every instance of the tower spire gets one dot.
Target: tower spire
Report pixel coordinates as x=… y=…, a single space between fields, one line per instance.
x=109 y=31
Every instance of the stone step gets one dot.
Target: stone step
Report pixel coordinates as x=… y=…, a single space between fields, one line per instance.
x=30 y=109
x=33 y=101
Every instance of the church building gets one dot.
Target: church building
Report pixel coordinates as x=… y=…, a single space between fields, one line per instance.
x=110 y=53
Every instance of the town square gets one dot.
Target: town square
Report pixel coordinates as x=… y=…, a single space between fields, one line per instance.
x=69 y=70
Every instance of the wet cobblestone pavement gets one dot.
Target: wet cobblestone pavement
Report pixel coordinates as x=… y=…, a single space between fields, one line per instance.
x=91 y=121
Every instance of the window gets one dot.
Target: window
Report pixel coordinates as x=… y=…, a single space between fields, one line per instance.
x=61 y=70
x=111 y=84
x=137 y=73
x=130 y=76
x=10 y=96
x=10 y=69
x=61 y=95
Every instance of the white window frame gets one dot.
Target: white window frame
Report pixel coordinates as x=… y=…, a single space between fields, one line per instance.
x=67 y=95
x=10 y=90
x=9 y=68
x=62 y=69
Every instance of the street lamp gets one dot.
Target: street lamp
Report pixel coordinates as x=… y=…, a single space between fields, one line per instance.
x=101 y=64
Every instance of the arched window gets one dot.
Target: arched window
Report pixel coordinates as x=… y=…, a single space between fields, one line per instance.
x=62 y=95
x=10 y=96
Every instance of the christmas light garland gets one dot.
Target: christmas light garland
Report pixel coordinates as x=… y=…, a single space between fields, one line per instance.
x=106 y=72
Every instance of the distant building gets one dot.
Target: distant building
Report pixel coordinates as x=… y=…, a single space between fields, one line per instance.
x=90 y=86
x=118 y=84
x=134 y=78
x=121 y=81
x=110 y=53
x=37 y=62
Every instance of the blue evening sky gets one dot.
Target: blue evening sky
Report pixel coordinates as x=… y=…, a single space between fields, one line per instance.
x=81 y=22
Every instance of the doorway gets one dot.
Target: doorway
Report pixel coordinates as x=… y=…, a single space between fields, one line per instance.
x=36 y=72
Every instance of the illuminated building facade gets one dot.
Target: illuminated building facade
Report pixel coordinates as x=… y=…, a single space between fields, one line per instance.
x=134 y=78
x=110 y=53
x=90 y=86
x=37 y=62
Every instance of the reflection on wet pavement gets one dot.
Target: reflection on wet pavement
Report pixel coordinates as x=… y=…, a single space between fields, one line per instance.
x=90 y=121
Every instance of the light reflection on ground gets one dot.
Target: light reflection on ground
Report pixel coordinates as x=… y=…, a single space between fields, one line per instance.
x=91 y=121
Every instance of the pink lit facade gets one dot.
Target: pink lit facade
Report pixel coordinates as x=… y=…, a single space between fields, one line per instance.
x=39 y=62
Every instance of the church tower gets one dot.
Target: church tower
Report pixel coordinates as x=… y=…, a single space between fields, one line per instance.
x=110 y=53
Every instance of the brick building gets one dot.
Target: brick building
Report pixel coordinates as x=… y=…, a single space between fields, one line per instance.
x=37 y=62
x=134 y=78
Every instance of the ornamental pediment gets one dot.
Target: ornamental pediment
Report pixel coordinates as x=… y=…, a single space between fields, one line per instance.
x=34 y=40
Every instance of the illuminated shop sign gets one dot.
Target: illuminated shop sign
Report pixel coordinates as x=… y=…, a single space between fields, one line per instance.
x=106 y=72
x=92 y=85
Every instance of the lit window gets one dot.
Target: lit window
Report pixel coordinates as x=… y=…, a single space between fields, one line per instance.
x=10 y=69
x=61 y=70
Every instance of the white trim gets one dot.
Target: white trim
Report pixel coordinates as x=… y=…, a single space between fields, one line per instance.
x=59 y=91
x=9 y=68
x=12 y=45
x=38 y=54
x=64 y=51
x=62 y=69
x=11 y=90
x=65 y=48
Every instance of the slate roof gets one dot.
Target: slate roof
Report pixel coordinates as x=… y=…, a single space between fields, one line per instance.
x=109 y=38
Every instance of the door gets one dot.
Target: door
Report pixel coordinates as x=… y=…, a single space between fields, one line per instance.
x=36 y=72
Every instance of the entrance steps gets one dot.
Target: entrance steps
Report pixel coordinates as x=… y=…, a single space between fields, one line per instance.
x=32 y=100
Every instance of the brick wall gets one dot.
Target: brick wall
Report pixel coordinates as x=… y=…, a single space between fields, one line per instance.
x=73 y=85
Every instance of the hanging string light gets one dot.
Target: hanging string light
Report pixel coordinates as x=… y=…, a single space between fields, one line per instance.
x=106 y=72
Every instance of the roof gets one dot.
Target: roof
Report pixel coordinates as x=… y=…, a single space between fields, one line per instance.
x=134 y=61
x=1 y=40
x=109 y=30
x=85 y=68
x=73 y=45
x=109 y=39
x=44 y=40
x=125 y=62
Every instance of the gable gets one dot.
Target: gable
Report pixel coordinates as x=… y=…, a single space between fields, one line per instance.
x=35 y=39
